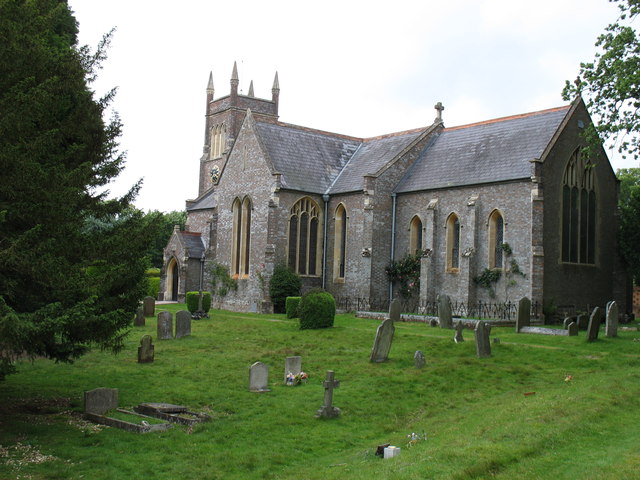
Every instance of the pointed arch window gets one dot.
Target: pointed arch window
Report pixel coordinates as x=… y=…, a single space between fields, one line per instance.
x=304 y=241
x=340 y=243
x=415 y=235
x=218 y=140
x=579 y=211
x=453 y=243
x=241 y=237
x=496 y=239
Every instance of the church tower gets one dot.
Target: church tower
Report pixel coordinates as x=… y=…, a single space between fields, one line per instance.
x=223 y=119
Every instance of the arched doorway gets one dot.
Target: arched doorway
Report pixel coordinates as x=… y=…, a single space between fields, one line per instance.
x=172 y=281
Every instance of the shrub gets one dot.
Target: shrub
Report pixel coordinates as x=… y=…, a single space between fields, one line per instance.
x=192 y=301
x=317 y=310
x=292 y=304
x=153 y=286
x=153 y=272
x=221 y=281
x=284 y=283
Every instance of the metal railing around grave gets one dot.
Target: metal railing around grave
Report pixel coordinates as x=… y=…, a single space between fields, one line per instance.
x=502 y=311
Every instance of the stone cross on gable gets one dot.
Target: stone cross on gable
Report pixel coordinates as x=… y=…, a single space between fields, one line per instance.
x=328 y=410
x=439 y=107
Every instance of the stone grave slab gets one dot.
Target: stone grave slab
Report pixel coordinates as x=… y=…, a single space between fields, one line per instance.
x=419 y=359
x=458 y=338
x=149 y=306
x=524 y=314
x=545 y=331
x=611 y=324
x=382 y=341
x=483 y=345
x=138 y=321
x=594 y=324
x=165 y=326
x=171 y=413
x=444 y=311
x=146 y=350
x=183 y=324
x=328 y=410
x=293 y=366
x=259 y=378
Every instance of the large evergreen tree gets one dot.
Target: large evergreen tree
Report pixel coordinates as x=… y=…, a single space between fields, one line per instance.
x=71 y=262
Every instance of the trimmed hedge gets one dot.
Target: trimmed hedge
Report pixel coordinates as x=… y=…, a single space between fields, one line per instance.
x=153 y=286
x=192 y=301
x=291 y=306
x=284 y=283
x=317 y=309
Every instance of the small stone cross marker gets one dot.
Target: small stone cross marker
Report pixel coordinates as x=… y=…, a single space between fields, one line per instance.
x=328 y=410
x=439 y=107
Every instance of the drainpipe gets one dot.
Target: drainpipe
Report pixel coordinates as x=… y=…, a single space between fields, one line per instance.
x=393 y=238
x=325 y=197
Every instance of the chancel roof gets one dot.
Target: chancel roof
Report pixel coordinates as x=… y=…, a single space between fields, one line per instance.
x=491 y=151
x=204 y=202
x=193 y=244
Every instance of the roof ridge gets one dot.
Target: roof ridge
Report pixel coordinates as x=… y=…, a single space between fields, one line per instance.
x=396 y=134
x=313 y=130
x=507 y=118
x=193 y=234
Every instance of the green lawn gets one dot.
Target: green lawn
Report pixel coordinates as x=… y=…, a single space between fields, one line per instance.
x=478 y=421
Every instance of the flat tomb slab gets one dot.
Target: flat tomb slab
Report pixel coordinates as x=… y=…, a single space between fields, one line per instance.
x=171 y=413
x=544 y=331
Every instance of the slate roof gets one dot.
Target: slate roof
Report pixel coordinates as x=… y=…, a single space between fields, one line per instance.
x=193 y=244
x=206 y=201
x=309 y=160
x=495 y=150
x=372 y=155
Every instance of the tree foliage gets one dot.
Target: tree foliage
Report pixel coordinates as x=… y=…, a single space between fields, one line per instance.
x=610 y=84
x=629 y=232
x=71 y=261
x=164 y=224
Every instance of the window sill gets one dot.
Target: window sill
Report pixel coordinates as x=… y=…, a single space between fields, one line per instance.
x=338 y=280
x=453 y=270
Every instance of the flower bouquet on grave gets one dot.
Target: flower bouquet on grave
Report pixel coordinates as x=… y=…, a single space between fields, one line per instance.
x=297 y=379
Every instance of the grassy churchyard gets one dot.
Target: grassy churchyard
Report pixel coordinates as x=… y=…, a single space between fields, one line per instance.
x=540 y=407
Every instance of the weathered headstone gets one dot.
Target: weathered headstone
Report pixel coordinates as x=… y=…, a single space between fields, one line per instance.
x=444 y=311
x=100 y=400
x=594 y=324
x=567 y=321
x=328 y=410
x=419 y=359
x=293 y=366
x=138 y=321
x=259 y=378
x=146 y=350
x=611 y=326
x=483 y=346
x=524 y=314
x=582 y=321
x=165 y=326
x=149 y=306
x=572 y=328
x=382 y=342
x=395 y=310
x=183 y=323
x=458 y=338
x=391 y=451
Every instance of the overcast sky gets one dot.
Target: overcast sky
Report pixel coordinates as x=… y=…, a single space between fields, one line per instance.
x=361 y=68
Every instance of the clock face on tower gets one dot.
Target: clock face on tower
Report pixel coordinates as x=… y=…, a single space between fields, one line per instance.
x=214 y=173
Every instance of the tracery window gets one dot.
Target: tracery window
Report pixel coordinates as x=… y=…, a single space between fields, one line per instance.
x=496 y=239
x=304 y=241
x=453 y=243
x=415 y=235
x=218 y=140
x=241 y=237
x=340 y=243
x=579 y=211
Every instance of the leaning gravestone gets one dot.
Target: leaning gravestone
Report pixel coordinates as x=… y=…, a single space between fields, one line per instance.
x=594 y=324
x=382 y=342
x=139 y=320
x=183 y=324
x=444 y=311
x=259 y=378
x=611 y=326
x=165 y=326
x=149 y=306
x=483 y=346
x=524 y=314
x=572 y=328
x=395 y=310
x=145 y=350
x=419 y=359
x=292 y=365
x=458 y=338
x=100 y=400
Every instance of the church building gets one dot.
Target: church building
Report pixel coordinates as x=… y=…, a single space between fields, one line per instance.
x=507 y=195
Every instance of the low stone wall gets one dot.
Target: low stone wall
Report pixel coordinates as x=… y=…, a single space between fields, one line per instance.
x=405 y=317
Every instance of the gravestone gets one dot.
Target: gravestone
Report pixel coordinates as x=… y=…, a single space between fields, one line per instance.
x=524 y=314
x=444 y=311
x=419 y=359
x=391 y=451
x=395 y=310
x=259 y=378
x=611 y=326
x=582 y=321
x=139 y=320
x=146 y=350
x=100 y=400
x=165 y=326
x=572 y=328
x=183 y=324
x=382 y=342
x=594 y=324
x=149 y=306
x=458 y=336
x=292 y=365
x=328 y=410
x=483 y=346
